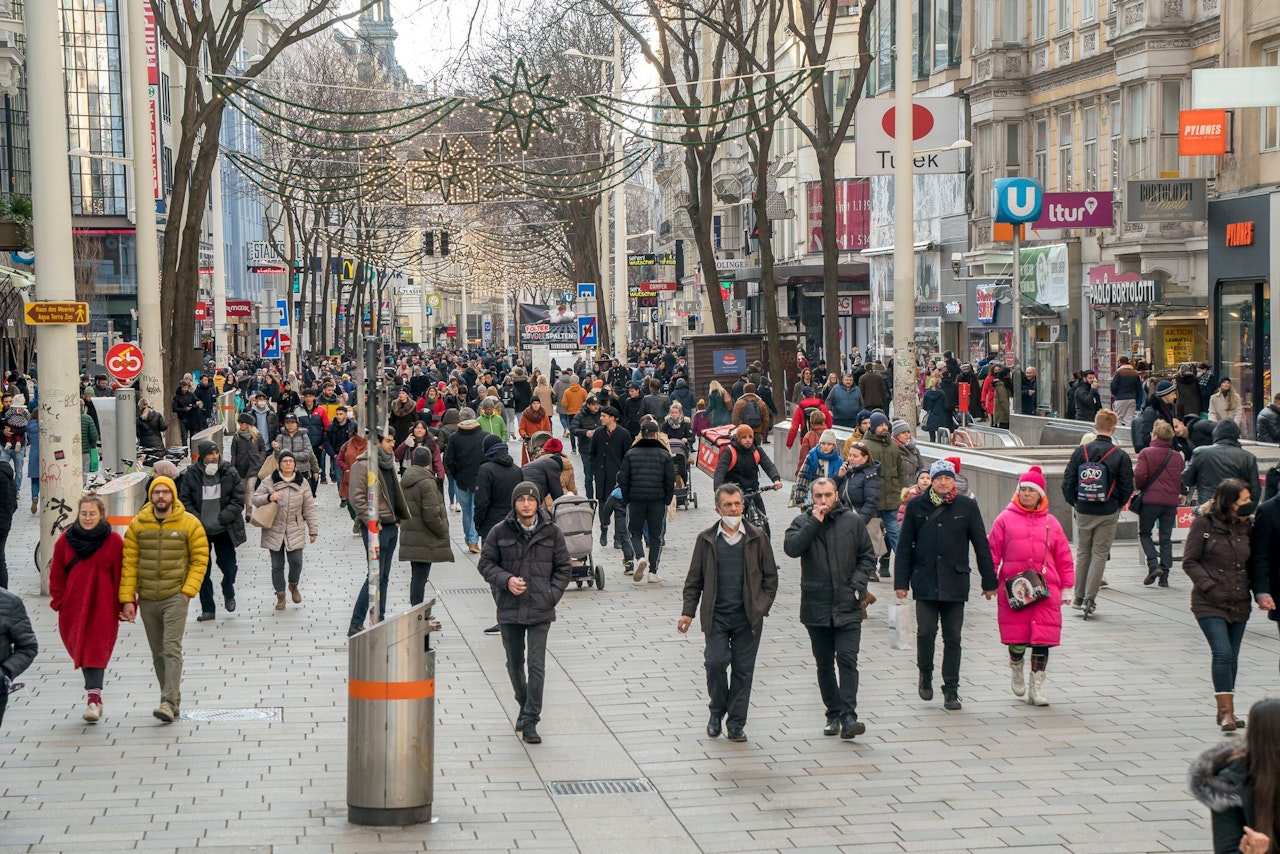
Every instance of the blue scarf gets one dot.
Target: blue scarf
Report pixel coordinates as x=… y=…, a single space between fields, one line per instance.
x=833 y=461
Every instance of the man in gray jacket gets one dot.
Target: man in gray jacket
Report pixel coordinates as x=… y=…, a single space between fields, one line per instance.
x=836 y=562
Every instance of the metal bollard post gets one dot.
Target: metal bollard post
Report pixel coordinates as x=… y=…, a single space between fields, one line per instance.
x=391 y=721
x=125 y=453
x=124 y=496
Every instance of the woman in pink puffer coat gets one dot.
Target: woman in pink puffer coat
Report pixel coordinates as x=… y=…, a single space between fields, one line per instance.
x=1025 y=537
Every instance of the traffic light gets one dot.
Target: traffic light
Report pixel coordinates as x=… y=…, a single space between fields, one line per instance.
x=444 y=243
x=428 y=242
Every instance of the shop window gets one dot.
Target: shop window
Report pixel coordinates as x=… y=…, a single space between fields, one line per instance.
x=1242 y=335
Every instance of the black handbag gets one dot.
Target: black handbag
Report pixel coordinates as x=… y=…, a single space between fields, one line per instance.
x=1135 y=501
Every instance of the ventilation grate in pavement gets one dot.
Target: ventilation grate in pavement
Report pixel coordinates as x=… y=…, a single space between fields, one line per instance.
x=599 y=787
x=274 y=713
x=461 y=591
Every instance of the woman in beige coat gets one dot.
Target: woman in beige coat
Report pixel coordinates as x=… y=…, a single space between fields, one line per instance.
x=543 y=392
x=295 y=519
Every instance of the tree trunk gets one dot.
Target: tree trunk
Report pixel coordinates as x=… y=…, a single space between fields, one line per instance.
x=762 y=146
x=700 y=198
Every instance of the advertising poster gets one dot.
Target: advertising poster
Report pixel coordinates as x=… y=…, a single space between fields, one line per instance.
x=729 y=361
x=1179 y=344
x=554 y=327
x=1043 y=274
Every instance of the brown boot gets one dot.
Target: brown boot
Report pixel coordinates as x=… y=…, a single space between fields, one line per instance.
x=280 y=601
x=1226 y=712
x=295 y=594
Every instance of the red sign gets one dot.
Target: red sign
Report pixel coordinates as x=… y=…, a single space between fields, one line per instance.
x=235 y=308
x=286 y=342
x=1239 y=234
x=1202 y=132
x=986 y=299
x=852 y=212
x=661 y=286
x=124 y=361
x=151 y=48
x=451 y=332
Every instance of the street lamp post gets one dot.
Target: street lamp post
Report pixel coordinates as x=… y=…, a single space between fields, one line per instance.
x=59 y=392
x=905 y=387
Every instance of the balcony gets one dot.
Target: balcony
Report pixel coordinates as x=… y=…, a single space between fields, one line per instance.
x=1000 y=64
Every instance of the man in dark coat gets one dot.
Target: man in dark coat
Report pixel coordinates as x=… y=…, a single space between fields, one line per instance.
x=938 y=528
x=526 y=562
x=1268 y=425
x=463 y=457
x=1265 y=549
x=18 y=646
x=837 y=560
x=1159 y=407
x=8 y=506
x=340 y=431
x=583 y=427
x=731 y=585
x=1085 y=401
x=608 y=446
x=632 y=408
x=1225 y=458
x=213 y=491
x=544 y=472
x=498 y=475
x=648 y=481
x=151 y=426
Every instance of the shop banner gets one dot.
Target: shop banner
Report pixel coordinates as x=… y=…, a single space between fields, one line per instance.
x=1179 y=344
x=852 y=212
x=1043 y=275
x=1169 y=200
x=1076 y=210
x=1107 y=287
x=557 y=328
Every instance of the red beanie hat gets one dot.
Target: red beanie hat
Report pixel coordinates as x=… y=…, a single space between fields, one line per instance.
x=553 y=446
x=1034 y=478
x=955 y=461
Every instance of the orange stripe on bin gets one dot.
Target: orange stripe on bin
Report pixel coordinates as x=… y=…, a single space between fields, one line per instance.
x=391 y=690
x=119 y=520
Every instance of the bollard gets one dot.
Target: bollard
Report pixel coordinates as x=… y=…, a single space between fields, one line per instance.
x=124 y=496
x=391 y=721
x=124 y=455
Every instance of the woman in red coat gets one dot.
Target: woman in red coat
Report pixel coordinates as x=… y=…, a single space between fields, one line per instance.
x=84 y=582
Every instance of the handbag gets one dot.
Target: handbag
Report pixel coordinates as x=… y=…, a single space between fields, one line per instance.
x=800 y=491
x=269 y=467
x=1029 y=586
x=1135 y=501
x=875 y=530
x=264 y=516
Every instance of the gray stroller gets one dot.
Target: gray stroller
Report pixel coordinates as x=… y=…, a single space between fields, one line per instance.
x=575 y=517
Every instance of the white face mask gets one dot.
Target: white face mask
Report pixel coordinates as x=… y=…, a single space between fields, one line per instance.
x=731 y=522
x=211 y=469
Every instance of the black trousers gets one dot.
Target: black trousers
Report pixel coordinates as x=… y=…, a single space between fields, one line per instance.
x=521 y=640
x=837 y=648
x=730 y=643
x=654 y=513
x=4 y=566
x=951 y=615
x=1167 y=517
x=4 y=701
x=225 y=553
x=418 y=581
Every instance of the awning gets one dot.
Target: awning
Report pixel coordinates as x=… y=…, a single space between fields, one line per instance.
x=881 y=251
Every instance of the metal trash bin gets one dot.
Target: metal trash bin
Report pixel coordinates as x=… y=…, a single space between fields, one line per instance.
x=214 y=434
x=391 y=722
x=125 y=496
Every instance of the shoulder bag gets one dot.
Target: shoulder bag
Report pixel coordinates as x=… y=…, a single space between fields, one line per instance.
x=264 y=516
x=1029 y=586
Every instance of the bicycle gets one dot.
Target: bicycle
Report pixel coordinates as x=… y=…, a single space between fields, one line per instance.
x=753 y=511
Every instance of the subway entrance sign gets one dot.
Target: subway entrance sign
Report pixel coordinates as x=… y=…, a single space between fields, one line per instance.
x=74 y=313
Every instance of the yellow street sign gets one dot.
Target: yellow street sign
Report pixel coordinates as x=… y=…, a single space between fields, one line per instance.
x=76 y=313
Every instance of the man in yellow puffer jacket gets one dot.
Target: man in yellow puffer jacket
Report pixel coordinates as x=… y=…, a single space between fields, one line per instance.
x=166 y=555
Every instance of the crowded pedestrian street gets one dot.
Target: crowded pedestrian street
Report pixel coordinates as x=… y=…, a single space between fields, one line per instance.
x=257 y=760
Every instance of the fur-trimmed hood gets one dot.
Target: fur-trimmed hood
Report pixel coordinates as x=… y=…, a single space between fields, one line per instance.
x=1218 y=777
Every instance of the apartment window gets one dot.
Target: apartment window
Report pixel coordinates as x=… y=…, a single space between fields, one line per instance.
x=921 y=49
x=985 y=153
x=1170 y=105
x=983 y=26
x=885 y=20
x=1089 y=147
x=166 y=105
x=946 y=32
x=1013 y=149
x=166 y=170
x=1040 y=150
x=1088 y=11
x=1136 y=125
x=1271 y=115
x=1066 y=15
x=838 y=88
x=1066 y=151
x=1012 y=22
x=95 y=104
x=1114 y=122
x=1039 y=19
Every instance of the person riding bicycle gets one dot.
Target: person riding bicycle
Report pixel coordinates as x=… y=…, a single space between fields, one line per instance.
x=740 y=462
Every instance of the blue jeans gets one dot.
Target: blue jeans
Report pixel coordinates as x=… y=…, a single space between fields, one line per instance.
x=453 y=490
x=1224 y=642
x=388 y=537
x=467 y=498
x=16 y=457
x=35 y=488
x=889 y=519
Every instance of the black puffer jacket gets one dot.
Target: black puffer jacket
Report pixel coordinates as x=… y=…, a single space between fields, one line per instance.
x=582 y=422
x=544 y=472
x=540 y=558
x=1213 y=464
x=860 y=490
x=1268 y=431
x=464 y=456
x=18 y=645
x=151 y=430
x=648 y=473
x=337 y=435
x=836 y=562
x=498 y=476
x=248 y=452
x=933 y=550
x=1220 y=780
x=231 y=517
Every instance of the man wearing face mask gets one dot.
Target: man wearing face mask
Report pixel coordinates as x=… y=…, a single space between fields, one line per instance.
x=731 y=585
x=267 y=422
x=212 y=491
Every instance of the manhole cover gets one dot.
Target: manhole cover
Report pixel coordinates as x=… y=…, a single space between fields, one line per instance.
x=223 y=715
x=461 y=591
x=599 y=787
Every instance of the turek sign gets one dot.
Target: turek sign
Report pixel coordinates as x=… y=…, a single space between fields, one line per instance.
x=1076 y=210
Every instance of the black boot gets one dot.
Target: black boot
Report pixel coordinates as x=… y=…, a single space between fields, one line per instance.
x=951 y=701
x=926 y=685
x=851 y=726
x=530 y=733
x=833 y=725
x=1164 y=578
x=1153 y=575
x=713 y=727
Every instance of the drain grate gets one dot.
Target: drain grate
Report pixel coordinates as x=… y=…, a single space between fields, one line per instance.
x=461 y=591
x=274 y=713
x=599 y=787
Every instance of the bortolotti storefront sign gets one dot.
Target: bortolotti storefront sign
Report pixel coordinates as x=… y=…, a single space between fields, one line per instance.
x=1107 y=287
x=1167 y=200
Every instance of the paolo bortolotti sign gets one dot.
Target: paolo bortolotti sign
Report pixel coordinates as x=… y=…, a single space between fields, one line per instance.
x=1076 y=210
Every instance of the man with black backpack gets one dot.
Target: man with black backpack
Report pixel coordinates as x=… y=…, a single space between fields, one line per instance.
x=1098 y=481
x=751 y=410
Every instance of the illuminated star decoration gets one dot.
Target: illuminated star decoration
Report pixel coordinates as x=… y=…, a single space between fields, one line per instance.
x=452 y=170
x=522 y=104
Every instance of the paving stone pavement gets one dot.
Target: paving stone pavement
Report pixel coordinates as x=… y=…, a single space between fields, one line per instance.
x=1102 y=769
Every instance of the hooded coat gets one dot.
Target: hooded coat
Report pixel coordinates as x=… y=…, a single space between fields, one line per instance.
x=163 y=557
x=540 y=558
x=544 y=472
x=295 y=512
x=85 y=594
x=1225 y=458
x=683 y=395
x=424 y=536
x=498 y=476
x=1220 y=780
x=1022 y=539
x=1217 y=560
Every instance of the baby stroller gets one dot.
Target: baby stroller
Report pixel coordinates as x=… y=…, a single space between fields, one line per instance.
x=685 y=496
x=533 y=446
x=575 y=517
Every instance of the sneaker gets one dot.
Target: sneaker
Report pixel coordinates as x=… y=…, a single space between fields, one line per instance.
x=495 y=629
x=654 y=578
x=165 y=713
x=1077 y=603
x=93 y=713
x=474 y=548
x=457 y=508
x=1105 y=584
x=641 y=565
x=628 y=567
x=205 y=617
